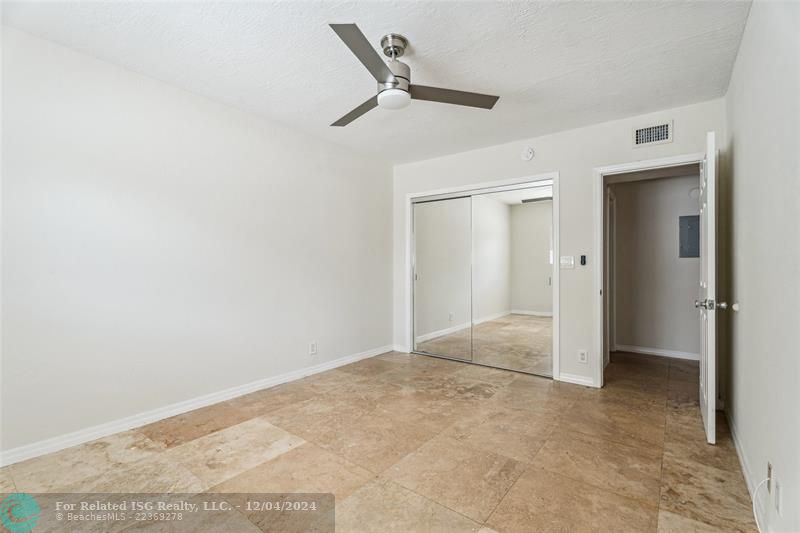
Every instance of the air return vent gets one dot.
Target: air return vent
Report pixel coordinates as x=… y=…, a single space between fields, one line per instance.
x=653 y=134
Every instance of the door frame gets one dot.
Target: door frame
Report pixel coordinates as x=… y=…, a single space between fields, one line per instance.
x=598 y=200
x=482 y=188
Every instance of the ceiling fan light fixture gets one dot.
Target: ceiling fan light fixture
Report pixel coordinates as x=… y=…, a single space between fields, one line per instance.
x=394 y=99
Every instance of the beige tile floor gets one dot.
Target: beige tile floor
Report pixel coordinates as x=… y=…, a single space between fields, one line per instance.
x=516 y=342
x=414 y=443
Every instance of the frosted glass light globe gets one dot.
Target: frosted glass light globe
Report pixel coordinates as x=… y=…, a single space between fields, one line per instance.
x=394 y=99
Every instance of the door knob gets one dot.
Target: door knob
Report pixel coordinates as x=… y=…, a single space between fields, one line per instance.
x=699 y=305
x=722 y=305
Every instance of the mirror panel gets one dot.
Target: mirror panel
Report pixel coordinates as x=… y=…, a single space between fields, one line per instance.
x=512 y=280
x=442 y=278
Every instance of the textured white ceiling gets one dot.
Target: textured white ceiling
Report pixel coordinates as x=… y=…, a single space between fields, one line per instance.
x=555 y=66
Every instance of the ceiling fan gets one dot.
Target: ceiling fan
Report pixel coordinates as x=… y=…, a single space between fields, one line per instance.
x=395 y=90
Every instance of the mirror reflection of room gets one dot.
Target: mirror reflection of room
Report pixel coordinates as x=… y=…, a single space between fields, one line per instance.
x=442 y=301
x=512 y=280
x=483 y=279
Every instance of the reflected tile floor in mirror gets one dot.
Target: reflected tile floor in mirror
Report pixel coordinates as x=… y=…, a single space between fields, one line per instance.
x=515 y=342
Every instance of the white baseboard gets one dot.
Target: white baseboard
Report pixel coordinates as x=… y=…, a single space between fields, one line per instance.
x=749 y=479
x=442 y=332
x=657 y=351
x=400 y=348
x=531 y=313
x=54 y=444
x=489 y=318
x=575 y=379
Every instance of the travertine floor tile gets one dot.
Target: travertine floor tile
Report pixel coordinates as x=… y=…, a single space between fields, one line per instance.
x=268 y=400
x=55 y=471
x=685 y=439
x=183 y=428
x=368 y=367
x=684 y=371
x=706 y=494
x=673 y=523
x=615 y=423
x=327 y=381
x=415 y=443
x=544 y=501
x=457 y=476
x=630 y=471
x=681 y=394
x=229 y=452
x=529 y=395
x=385 y=507
x=306 y=468
x=311 y=418
x=375 y=442
x=518 y=434
x=639 y=360
x=157 y=474
x=489 y=375
x=6 y=482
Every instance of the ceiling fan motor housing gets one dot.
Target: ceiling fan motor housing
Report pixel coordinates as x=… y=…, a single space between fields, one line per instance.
x=402 y=77
x=394 y=46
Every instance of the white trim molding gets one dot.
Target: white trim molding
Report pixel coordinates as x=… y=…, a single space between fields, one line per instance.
x=531 y=313
x=657 y=351
x=54 y=444
x=575 y=379
x=442 y=332
x=747 y=472
x=489 y=318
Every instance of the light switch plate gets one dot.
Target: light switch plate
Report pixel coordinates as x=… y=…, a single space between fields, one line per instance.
x=567 y=261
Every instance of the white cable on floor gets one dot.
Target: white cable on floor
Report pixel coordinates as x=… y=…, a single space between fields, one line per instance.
x=755 y=494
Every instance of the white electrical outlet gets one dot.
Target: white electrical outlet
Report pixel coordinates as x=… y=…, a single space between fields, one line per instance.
x=583 y=356
x=451 y=316
x=312 y=348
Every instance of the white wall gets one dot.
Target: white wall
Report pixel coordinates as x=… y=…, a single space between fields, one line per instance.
x=443 y=259
x=763 y=105
x=491 y=240
x=655 y=288
x=574 y=153
x=158 y=246
x=531 y=271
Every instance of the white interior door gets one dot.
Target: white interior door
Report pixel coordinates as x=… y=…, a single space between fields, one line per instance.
x=707 y=302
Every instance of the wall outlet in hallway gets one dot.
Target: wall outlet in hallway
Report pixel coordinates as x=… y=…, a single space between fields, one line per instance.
x=312 y=348
x=451 y=316
x=583 y=356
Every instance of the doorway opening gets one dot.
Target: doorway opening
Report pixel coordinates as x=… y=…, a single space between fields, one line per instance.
x=652 y=257
x=655 y=279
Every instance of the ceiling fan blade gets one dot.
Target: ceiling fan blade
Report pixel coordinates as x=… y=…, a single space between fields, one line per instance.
x=357 y=112
x=449 y=96
x=359 y=45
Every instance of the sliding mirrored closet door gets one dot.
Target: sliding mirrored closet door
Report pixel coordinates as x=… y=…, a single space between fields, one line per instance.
x=483 y=271
x=442 y=278
x=512 y=280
